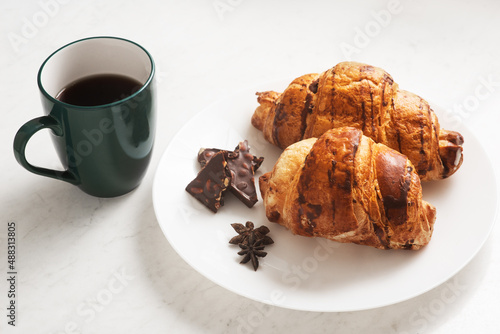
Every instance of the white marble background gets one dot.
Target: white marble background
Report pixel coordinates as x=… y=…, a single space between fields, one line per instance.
x=74 y=251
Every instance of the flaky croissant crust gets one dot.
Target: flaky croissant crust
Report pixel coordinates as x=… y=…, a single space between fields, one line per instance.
x=345 y=187
x=367 y=98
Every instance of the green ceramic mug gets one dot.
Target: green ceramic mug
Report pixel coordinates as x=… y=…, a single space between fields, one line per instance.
x=105 y=148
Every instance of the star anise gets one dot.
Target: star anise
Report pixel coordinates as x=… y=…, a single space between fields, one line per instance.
x=252 y=251
x=244 y=232
x=252 y=241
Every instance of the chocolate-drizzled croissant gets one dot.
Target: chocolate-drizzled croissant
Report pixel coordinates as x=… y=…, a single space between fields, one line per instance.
x=365 y=97
x=345 y=187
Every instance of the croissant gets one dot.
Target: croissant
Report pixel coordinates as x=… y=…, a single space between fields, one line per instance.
x=345 y=187
x=365 y=97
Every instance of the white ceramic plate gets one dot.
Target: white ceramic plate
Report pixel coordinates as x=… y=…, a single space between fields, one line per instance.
x=314 y=274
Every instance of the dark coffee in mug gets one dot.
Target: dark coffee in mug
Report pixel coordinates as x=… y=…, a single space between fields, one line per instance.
x=99 y=89
x=98 y=97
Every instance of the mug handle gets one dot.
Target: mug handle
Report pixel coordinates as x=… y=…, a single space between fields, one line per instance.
x=21 y=139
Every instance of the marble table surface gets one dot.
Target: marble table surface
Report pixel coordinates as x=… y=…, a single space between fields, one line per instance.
x=93 y=265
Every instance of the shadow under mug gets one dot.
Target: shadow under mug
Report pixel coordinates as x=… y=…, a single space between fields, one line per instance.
x=105 y=149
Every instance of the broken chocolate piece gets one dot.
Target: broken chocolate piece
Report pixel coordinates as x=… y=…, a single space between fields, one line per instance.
x=205 y=154
x=211 y=182
x=256 y=162
x=240 y=165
